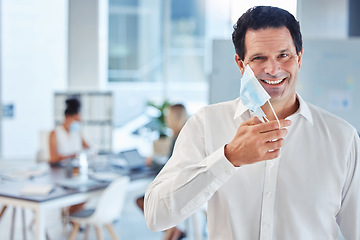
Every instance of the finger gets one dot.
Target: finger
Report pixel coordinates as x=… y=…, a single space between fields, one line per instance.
x=273 y=125
x=284 y=123
x=275 y=145
x=271 y=155
x=274 y=134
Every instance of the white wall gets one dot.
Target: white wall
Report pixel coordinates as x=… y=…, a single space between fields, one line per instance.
x=34 y=43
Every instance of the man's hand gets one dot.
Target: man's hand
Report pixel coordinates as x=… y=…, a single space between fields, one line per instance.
x=256 y=141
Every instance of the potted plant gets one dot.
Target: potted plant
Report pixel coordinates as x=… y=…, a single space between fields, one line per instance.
x=160 y=120
x=161 y=146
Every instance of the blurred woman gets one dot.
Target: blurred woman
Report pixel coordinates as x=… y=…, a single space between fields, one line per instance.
x=65 y=141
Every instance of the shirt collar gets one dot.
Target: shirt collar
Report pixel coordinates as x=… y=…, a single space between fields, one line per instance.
x=240 y=110
x=303 y=109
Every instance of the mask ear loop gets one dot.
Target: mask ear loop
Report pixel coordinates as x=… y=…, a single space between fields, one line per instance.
x=272 y=109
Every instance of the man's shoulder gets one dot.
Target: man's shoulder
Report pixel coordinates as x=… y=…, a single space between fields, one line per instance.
x=324 y=117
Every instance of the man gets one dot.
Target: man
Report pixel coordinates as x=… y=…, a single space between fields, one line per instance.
x=300 y=181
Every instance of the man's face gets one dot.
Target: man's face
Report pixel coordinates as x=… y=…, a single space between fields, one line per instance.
x=272 y=56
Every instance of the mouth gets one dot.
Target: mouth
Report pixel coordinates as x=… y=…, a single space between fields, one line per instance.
x=273 y=82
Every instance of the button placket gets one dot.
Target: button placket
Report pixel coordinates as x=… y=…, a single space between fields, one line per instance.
x=269 y=190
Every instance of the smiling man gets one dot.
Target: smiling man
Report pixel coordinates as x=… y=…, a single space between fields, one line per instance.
x=273 y=58
x=299 y=181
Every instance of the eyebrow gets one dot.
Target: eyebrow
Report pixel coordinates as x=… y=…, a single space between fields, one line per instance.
x=285 y=50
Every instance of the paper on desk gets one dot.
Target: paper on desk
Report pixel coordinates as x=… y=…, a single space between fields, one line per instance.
x=37 y=189
x=26 y=173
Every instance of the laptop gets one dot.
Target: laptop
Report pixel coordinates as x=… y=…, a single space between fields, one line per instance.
x=133 y=159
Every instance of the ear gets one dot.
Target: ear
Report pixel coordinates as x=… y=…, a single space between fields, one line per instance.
x=239 y=63
x=299 y=58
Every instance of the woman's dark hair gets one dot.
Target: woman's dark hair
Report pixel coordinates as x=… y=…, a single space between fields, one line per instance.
x=262 y=17
x=72 y=106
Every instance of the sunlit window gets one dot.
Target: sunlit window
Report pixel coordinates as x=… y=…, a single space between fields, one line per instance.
x=135 y=40
x=187 y=33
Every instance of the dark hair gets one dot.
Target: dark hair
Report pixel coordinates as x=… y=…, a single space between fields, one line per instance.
x=72 y=106
x=178 y=106
x=261 y=17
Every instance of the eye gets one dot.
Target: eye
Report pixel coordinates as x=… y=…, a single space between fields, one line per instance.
x=258 y=58
x=283 y=55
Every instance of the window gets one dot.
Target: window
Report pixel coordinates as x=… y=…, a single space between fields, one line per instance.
x=136 y=41
x=135 y=30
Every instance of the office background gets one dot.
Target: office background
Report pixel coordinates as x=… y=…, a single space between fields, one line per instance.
x=154 y=50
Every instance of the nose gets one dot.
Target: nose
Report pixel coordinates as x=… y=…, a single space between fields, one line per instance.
x=272 y=67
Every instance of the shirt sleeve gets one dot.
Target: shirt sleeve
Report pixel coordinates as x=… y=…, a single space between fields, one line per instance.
x=348 y=217
x=188 y=180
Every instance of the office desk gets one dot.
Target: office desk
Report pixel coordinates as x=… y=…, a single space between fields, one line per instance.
x=10 y=194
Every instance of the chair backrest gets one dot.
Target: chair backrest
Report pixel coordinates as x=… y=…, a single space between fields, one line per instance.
x=112 y=200
x=43 y=155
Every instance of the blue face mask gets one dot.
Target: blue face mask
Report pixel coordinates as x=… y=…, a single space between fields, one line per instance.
x=74 y=126
x=253 y=95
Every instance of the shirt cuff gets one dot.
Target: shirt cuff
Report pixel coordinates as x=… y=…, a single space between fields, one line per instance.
x=220 y=166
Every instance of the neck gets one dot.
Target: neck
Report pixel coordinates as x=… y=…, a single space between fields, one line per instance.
x=282 y=110
x=66 y=125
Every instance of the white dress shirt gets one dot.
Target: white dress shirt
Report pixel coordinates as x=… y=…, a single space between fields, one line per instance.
x=306 y=193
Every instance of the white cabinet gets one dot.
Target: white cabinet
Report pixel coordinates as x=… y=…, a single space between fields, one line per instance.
x=96 y=114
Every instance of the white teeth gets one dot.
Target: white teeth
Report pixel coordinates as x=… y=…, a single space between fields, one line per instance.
x=274 y=82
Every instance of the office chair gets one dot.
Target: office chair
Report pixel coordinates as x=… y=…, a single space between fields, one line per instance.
x=107 y=210
x=42 y=154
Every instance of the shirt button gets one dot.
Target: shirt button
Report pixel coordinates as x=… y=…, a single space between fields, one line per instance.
x=227 y=172
x=272 y=164
x=268 y=194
